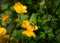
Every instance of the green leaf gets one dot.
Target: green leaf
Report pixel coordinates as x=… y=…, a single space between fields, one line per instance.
x=17 y=33
x=47 y=29
x=42 y=35
x=58 y=37
x=53 y=24
x=4 y=6
x=50 y=35
x=42 y=4
x=33 y=19
x=57 y=31
x=11 y=8
x=9 y=30
x=14 y=40
x=8 y=12
x=23 y=16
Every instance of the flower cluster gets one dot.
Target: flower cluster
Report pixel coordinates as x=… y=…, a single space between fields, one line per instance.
x=19 y=8
x=5 y=19
x=29 y=28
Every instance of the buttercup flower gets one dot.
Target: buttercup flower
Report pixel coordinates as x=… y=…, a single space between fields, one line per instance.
x=19 y=8
x=2 y=31
x=29 y=28
x=29 y=33
x=26 y=24
x=5 y=17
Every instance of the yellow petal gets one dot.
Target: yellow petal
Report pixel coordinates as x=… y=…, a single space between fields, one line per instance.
x=29 y=33
x=36 y=28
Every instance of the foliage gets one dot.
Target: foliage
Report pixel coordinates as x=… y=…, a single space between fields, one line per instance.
x=45 y=14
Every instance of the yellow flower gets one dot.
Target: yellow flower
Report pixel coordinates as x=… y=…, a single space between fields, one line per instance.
x=29 y=28
x=26 y=24
x=19 y=8
x=5 y=17
x=3 y=36
x=29 y=33
x=2 y=31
